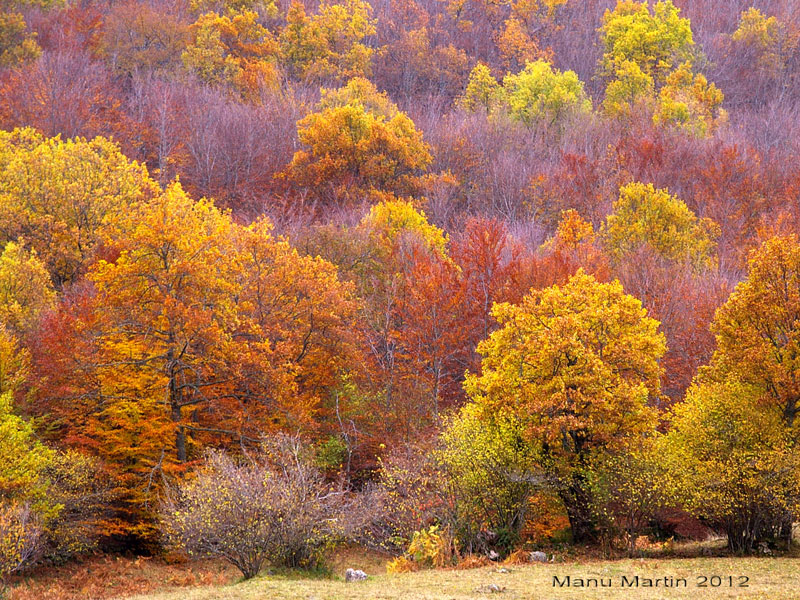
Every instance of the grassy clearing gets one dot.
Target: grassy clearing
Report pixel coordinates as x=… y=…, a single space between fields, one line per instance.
x=769 y=578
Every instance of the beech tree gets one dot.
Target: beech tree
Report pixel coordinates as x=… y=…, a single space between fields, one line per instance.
x=758 y=328
x=351 y=153
x=541 y=92
x=328 y=45
x=645 y=216
x=735 y=460
x=58 y=194
x=657 y=40
x=233 y=48
x=578 y=364
x=25 y=288
x=198 y=330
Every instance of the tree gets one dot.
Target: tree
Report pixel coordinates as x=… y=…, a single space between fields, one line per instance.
x=389 y=221
x=328 y=45
x=516 y=45
x=351 y=153
x=23 y=459
x=539 y=92
x=430 y=335
x=690 y=102
x=482 y=91
x=57 y=196
x=767 y=38
x=758 y=328
x=198 y=330
x=20 y=537
x=65 y=92
x=645 y=216
x=233 y=49
x=578 y=364
x=14 y=362
x=136 y=37
x=491 y=472
x=25 y=288
x=631 y=87
x=735 y=460
x=631 y=487
x=657 y=42
x=17 y=44
x=358 y=91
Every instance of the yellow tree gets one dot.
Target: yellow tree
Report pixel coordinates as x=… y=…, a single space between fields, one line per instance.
x=690 y=102
x=758 y=328
x=328 y=45
x=631 y=87
x=541 y=93
x=579 y=364
x=235 y=49
x=14 y=362
x=645 y=216
x=482 y=91
x=769 y=39
x=57 y=195
x=25 y=288
x=657 y=42
x=17 y=43
x=735 y=460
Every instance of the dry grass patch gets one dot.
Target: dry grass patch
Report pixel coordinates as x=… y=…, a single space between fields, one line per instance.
x=769 y=579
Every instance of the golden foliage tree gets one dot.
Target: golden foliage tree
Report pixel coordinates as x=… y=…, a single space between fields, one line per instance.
x=57 y=195
x=328 y=45
x=352 y=152
x=199 y=330
x=234 y=49
x=758 y=328
x=578 y=364
x=645 y=216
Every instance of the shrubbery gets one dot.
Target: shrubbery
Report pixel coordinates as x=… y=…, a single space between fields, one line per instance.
x=273 y=508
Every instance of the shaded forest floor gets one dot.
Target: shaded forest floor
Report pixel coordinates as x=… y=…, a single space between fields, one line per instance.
x=104 y=578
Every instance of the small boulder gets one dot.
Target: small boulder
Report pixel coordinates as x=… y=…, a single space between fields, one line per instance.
x=354 y=575
x=538 y=556
x=492 y=588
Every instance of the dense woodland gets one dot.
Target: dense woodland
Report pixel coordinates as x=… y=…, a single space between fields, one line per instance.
x=456 y=276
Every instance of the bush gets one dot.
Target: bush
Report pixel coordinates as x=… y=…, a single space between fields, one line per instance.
x=630 y=488
x=275 y=508
x=81 y=490
x=409 y=497
x=20 y=535
x=491 y=475
x=737 y=462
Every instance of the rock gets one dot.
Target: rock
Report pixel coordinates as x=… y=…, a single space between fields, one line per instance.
x=354 y=575
x=491 y=588
x=538 y=556
x=493 y=555
x=502 y=570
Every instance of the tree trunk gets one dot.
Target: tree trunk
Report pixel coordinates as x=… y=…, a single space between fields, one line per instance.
x=578 y=502
x=180 y=434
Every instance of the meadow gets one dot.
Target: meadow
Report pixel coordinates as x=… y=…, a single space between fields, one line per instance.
x=773 y=579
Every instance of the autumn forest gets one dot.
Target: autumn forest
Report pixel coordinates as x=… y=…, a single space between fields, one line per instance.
x=442 y=279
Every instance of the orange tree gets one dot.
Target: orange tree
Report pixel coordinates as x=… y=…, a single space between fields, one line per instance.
x=358 y=145
x=200 y=331
x=578 y=364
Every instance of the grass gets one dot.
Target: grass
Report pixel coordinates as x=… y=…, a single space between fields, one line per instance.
x=769 y=578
